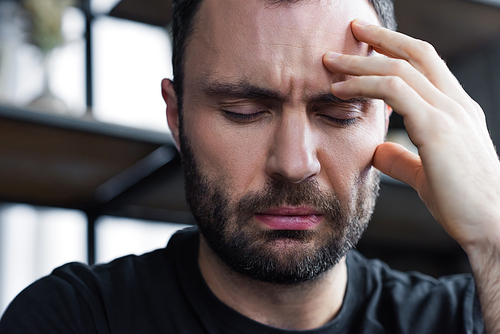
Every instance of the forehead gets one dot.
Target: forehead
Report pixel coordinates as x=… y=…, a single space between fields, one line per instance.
x=275 y=45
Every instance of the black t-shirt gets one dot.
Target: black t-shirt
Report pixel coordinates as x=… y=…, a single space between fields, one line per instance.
x=164 y=292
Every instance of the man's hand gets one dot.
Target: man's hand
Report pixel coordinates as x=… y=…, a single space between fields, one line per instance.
x=457 y=172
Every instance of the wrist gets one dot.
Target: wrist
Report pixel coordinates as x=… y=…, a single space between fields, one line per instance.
x=478 y=231
x=482 y=248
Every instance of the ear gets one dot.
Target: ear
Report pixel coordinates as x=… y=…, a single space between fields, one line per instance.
x=168 y=93
x=388 y=112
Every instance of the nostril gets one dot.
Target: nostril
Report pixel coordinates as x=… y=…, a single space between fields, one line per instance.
x=293 y=168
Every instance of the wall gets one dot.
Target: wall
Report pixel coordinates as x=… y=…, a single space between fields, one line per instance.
x=479 y=73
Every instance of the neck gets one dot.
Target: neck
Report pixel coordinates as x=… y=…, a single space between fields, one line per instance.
x=303 y=306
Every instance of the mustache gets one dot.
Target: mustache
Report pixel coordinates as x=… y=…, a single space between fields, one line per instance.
x=278 y=193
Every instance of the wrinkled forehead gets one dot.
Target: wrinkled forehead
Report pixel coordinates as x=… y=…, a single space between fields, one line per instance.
x=321 y=22
x=249 y=37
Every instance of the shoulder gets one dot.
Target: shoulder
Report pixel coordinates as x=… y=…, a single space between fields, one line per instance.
x=124 y=273
x=379 y=276
x=96 y=298
x=53 y=304
x=394 y=298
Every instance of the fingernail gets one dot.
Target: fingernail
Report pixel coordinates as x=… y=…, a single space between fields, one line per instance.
x=362 y=22
x=337 y=85
x=332 y=55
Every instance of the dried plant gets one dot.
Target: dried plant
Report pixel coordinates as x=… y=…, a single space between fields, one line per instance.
x=45 y=22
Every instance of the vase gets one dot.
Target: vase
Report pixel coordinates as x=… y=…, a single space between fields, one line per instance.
x=47 y=101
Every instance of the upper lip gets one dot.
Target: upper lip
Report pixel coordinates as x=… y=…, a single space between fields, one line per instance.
x=291 y=211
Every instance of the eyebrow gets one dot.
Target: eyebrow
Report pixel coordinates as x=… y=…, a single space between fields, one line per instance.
x=242 y=90
x=329 y=98
x=245 y=90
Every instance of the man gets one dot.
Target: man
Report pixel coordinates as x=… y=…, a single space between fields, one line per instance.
x=279 y=110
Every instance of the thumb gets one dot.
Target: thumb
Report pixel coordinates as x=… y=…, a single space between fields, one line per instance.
x=399 y=163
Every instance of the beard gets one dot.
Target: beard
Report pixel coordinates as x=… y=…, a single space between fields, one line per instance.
x=283 y=257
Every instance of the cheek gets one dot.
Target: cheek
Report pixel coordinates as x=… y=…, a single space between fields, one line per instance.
x=226 y=154
x=348 y=156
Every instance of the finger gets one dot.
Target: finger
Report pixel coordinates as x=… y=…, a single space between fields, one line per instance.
x=393 y=90
x=419 y=54
x=396 y=161
x=421 y=118
x=381 y=66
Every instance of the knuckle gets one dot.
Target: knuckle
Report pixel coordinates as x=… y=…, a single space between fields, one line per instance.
x=400 y=67
x=394 y=83
x=468 y=107
x=482 y=117
x=479 y=111
x=425 y=48
x=477 y=106
x=454 y=107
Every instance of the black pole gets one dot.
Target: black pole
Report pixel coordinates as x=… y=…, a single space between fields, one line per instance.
x=91 y=247
x=88 y=55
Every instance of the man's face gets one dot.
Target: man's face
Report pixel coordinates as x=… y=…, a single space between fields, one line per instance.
x=278 y=171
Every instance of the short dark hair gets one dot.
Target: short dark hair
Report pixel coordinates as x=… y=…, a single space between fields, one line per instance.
x=184 y=11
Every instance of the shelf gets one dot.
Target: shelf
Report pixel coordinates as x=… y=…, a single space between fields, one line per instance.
x=58 y=161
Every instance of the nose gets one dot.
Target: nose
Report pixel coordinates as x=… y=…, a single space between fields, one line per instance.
x=293 y=154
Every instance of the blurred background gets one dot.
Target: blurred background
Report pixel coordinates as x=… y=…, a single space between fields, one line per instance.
x=88 y=171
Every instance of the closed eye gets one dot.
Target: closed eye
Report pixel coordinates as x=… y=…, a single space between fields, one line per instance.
x=339 y=121
x=337 y=112
x=242 y=117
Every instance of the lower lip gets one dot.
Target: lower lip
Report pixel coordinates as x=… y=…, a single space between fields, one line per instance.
x=285 y=222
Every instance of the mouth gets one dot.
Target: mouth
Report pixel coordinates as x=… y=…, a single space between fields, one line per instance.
x=290 y=218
